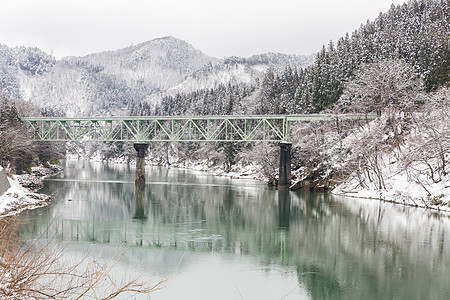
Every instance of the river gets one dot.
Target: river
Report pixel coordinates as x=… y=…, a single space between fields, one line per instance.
x=222 y=238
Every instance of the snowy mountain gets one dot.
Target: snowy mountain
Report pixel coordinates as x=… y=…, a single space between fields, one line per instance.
x=107 y=83
x=162 y=63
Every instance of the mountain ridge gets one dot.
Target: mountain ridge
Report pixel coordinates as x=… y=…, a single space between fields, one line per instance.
x=107 y=82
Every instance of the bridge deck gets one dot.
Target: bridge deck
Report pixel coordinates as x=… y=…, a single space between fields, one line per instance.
x=254 y=128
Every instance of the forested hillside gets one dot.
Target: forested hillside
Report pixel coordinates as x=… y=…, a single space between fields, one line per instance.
x=30 y=61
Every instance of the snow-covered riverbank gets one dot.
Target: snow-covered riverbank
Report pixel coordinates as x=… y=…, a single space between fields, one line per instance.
x=422 y=192
x=22 y=192
x=400 y=191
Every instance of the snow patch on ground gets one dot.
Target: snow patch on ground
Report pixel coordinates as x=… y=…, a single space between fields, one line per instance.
x=18 y=198
x=238 y=171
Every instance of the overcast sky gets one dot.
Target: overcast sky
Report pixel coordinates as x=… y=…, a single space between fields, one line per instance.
x=216 y=27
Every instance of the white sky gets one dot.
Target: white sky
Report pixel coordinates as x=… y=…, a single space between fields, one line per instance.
x=216 y=27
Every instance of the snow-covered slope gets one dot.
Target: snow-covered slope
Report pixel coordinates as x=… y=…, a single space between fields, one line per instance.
x=236 y=70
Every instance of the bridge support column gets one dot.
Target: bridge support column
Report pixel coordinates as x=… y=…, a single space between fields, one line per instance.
x=141 y=149
x=284 y=179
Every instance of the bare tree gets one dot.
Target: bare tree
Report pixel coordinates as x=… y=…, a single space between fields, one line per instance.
x=16 y=147
x=14 y=142
x=35 y=270
x=429 y=148
x=389 y=85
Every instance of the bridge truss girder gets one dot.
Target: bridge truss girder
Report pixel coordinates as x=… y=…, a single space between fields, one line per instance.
x=173 y=129
x=160 y=129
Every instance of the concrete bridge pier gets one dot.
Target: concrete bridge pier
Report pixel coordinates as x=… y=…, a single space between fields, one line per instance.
x=141 y=152
x=284 y=174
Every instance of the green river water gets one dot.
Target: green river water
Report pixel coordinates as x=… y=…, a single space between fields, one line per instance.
x=222 y=238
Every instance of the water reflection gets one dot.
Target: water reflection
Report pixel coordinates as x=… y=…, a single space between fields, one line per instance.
x=284 y=208
x=337 y=248
x=139 y=191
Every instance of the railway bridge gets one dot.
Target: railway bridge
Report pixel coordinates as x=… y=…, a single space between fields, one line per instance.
x=144 y=130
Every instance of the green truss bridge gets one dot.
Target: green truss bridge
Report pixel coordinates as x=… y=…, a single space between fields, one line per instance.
x=144 y=130
x=173 y=129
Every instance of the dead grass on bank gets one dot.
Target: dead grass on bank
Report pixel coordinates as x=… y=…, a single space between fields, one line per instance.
x=35 y=270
